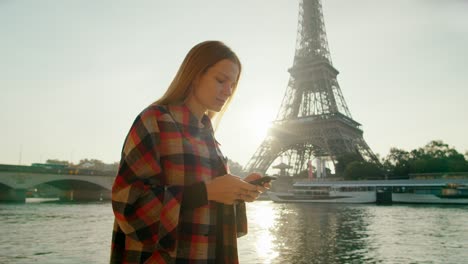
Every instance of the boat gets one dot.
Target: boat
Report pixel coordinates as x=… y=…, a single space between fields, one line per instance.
x=429 y=191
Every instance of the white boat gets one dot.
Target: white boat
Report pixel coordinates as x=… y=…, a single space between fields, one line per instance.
x=41 y=199
x=433 y=191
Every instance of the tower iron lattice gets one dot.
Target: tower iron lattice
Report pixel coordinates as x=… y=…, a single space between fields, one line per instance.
x=313 y=120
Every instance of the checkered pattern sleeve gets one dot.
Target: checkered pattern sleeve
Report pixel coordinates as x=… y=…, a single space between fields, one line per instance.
x=145 y=209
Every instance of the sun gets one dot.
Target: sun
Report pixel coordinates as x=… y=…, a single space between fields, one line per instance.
x=259 y=123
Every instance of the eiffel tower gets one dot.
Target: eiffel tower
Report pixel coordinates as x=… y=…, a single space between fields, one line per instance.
x=313 y=122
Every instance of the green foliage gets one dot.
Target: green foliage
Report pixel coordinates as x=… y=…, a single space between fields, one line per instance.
x=362 y=170
x=418 y=165
x=352 y=166
x=396 y=163
x=343 y=160
x=457 y=165
x=436 y=156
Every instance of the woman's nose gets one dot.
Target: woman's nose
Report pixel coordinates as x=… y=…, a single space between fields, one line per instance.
x=227 y=89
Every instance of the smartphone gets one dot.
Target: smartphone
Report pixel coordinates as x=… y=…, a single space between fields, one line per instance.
x=263 y=180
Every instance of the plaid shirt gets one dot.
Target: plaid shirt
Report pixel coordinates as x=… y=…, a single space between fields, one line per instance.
x=164 y=151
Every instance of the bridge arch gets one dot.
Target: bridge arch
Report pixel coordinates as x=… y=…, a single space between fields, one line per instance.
x=79 y=190
x=10 y=194
x=72 y=187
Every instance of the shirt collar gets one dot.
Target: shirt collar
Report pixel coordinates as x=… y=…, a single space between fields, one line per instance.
x=188 y=121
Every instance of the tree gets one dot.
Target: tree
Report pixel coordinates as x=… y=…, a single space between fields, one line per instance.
x=457 y=166
x=343 y=160
x=437 y=165
x=434 y=157
x=397 y=156
x=362 y=170
x=396 y=164
x=437 y=149
x=418 y=165
x=440 y=157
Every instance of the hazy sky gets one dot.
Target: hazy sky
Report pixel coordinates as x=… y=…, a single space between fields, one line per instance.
x=74 y=74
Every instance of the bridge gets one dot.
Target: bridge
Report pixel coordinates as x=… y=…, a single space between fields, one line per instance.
x=74 y=184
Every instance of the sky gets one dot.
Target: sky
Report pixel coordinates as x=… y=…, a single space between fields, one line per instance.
x=75 y=74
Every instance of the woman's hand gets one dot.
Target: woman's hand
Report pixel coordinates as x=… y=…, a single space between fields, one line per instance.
x=255 y=176
x=229 y=188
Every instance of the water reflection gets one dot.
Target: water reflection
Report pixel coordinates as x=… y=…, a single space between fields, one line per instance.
x=262 y=219
x=334 y=233
x=419 y=234
x=278 y=233
x=320 y=233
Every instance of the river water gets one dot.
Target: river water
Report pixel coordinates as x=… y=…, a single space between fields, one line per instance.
x=278 y=233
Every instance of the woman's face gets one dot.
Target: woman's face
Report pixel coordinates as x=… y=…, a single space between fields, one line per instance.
x=215 y=86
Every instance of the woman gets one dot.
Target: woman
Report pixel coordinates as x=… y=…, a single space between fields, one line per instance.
x=173 y=198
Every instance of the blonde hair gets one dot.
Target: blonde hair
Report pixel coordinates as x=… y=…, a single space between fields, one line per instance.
x=198 y=60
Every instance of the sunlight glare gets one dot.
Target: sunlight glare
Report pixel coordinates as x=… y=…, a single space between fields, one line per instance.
x=259 y=124
x=264 y=219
